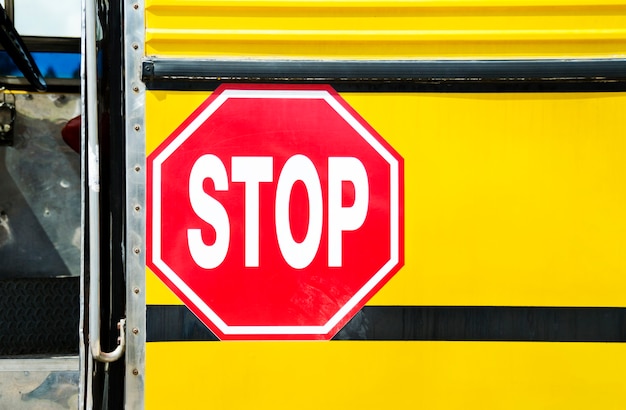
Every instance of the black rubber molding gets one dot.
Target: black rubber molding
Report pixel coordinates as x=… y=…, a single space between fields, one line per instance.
x=394 y=75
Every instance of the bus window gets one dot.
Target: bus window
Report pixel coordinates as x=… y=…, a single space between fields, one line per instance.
x=47 y=18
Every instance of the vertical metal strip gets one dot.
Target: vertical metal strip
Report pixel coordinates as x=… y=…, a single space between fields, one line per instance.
x=90 y=119
x=135 y=202
x=85 y=396
x=92 y=172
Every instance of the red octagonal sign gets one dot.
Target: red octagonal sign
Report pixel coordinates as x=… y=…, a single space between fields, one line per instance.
x=275 y=212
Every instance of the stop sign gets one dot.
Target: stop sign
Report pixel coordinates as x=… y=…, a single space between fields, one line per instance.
x=275 y=212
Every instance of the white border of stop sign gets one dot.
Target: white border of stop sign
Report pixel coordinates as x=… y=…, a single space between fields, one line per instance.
x=394 y=245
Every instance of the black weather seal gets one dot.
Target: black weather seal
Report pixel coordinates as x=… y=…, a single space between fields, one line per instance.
x=395 y=75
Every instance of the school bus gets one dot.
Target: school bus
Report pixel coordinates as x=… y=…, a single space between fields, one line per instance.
x=298 y=204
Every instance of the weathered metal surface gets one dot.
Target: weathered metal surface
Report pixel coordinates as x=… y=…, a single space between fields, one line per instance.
x=40 y=192
x=42 y=384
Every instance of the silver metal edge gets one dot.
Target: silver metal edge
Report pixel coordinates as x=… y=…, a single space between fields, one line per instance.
x=134 y=90
x=85 y=398
x=53 y=364
x=90 y=118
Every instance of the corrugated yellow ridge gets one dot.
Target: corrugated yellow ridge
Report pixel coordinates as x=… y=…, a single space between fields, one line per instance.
x=386 y=30
x=382 y=3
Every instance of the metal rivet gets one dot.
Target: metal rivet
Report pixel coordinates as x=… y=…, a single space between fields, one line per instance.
x=136 y=290
x=136 y=250
x=135 y=372
x=135 y=46
x=137 y=168
x=137 y=208
x=136 y=6
x=137 y=127
x=136 y=89
x=135 y=330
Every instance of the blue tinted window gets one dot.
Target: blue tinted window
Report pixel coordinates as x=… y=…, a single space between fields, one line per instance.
x=51 y=65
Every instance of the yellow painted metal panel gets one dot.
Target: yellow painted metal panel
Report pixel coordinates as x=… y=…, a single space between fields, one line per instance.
x=510 y=199
x=386 y=30
x=158 y=293
x=385 y=375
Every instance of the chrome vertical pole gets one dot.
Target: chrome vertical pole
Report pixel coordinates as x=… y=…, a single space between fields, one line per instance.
x=90 y=118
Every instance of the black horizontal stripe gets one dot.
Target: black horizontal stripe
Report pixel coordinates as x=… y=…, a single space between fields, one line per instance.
x=435 y=323
x=545 y=75
x=170 y=323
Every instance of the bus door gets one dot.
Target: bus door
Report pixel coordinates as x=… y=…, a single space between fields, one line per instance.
x=40 y=205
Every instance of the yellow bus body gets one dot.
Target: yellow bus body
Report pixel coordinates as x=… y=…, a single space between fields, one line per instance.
x=512 y=199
